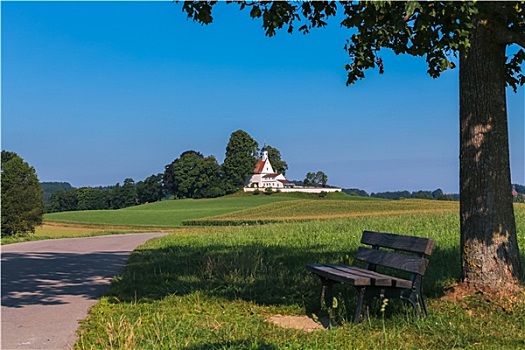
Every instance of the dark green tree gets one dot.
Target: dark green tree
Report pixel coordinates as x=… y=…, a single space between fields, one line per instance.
x=151 y=189
x=478 y=33
x=316 y=179
x=124 y=196
x=279 y=165
x=180 y=175
x=241 y=157
x=89 y=198
x=51 y=187
x=208 y=182
x=62 y=200
x=22 y=196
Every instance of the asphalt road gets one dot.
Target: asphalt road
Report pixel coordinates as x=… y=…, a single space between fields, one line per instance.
x=48 y=286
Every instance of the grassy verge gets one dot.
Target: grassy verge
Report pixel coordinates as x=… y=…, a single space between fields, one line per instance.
x=214 y=288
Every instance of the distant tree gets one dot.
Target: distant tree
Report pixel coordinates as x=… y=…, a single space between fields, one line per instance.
x=422 y=195
x=51 y=187
x=240 y=160
x=437 y=193
x=179 y=175
x=279 y=165
x=208 y=181
x=22 y=196
x=392 y=195
x=355 y=192
x=316 y=179
x=124 y=196
x=62 y=200
x=89 y=198
x=151 y=189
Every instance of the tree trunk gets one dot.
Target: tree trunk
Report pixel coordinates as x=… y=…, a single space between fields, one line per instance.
x=489 y=246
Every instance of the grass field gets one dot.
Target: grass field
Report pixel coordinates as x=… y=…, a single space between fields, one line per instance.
x=169 y=213
x=216 y=287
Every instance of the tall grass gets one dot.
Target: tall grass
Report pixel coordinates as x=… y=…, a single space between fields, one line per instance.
x=214 y=288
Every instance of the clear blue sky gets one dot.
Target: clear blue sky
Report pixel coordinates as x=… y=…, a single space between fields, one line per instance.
x=96 y=92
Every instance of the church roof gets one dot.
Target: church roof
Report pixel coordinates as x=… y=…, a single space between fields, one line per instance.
x=259 y=167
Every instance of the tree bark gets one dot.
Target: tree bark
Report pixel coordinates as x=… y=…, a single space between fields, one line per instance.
x=489 y=247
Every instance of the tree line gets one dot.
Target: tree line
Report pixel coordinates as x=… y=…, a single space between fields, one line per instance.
x=437 y=194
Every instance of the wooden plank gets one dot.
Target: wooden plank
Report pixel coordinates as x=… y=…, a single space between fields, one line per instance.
x=338 y=275
x=412 y=244
x=377 y=279
x=357 y=277
x=409 y=263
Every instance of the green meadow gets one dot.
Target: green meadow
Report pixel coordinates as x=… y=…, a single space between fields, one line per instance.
x=168 y=213
x=231 y=287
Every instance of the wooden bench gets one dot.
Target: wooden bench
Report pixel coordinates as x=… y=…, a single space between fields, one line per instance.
x=404 y=253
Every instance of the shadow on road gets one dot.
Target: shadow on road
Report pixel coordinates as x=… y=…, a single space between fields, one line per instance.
x=46 y=278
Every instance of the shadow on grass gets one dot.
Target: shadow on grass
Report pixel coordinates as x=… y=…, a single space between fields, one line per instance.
x=266 y=275
x=241 y=344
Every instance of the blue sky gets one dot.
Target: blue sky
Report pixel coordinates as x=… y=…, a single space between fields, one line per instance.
x=96 y=92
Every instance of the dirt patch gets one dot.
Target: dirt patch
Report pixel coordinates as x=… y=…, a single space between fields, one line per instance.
x=506 y=298
x=303 y=323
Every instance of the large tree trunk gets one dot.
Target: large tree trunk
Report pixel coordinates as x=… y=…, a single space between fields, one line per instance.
x=489 y=247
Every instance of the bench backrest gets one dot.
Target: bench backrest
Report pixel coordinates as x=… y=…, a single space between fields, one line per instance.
x=415 y=263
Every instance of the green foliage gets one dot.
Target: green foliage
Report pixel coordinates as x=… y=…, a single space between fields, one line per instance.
x=208 y=181
x=240 y=160
x=125 y=195
x=193 y=176
x=316 y=179
x=63 y=201
x=52 y=187
x=151 y=189
x=22 y=196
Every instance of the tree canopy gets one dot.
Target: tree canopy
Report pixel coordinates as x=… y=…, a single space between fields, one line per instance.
x=22 y=196
x=240 y=160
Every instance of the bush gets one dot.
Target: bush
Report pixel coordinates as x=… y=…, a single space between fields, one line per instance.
x=268 y=191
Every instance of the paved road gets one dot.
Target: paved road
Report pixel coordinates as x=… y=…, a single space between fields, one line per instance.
x=48 y=286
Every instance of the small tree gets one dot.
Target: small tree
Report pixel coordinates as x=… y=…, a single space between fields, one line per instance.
x=22 y=196
x=316 y=179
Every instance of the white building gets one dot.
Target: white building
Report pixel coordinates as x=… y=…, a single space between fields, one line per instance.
x=265 y=177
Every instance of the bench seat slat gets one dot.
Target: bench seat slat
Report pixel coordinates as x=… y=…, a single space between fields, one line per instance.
x=357 y=277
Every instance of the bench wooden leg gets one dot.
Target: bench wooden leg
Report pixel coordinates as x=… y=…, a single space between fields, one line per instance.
x=327 y=293
x=360 y=299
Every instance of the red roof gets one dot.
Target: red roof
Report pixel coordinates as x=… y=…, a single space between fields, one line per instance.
x=270 y=175
x=259 y=167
